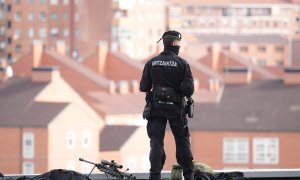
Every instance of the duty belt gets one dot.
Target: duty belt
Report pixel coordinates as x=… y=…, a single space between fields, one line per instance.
x=166 y=102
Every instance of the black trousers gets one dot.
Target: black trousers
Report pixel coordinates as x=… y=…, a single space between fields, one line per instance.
x=156 y=132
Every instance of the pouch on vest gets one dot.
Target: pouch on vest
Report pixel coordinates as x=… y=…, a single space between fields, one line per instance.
x=166 y=94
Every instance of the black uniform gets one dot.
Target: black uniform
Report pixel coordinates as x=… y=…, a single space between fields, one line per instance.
x=168 y=74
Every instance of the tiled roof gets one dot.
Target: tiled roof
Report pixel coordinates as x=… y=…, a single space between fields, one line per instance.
x=113 y=137
x=263 y=72
x=261 y=106
x=18 y=108
x=79 y=68
x=119 y=103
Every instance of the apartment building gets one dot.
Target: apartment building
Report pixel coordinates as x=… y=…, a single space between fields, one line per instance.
x=235 y=17
x=72 y=22
x=248 y=128
x=137 y=26
x=2 y=32
x=45 y=124
x=266 y=32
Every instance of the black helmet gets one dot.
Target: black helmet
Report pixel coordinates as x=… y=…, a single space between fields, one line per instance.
x=171 y=34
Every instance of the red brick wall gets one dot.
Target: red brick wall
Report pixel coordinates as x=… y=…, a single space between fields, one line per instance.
x=207 y=148
x=11 y=157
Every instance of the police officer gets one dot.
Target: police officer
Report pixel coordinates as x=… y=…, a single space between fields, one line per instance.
x=166 y=79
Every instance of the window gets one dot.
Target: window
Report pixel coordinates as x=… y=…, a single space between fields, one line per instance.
x=266 y=150
x=66 y=2
x=86 y=138
x=261 y=49
x=261 y=62
x=43 y=1
x=17 y=1
x=243 y=49
x=18 y=33
x=8 y=24
x=131 y=163
x=18 y=16
x=70 y=165
x=53 y=2
x=53 y=16
x=8 y=7
x=30 y=1
x=28 y=168
x=30 y=33
x=28 y=145
x=54 y=32
x=279 y=49
x=70 y=140
x=66 y=32
x=30 y=16
x=43 y=33
x=235 y=150
x=18 y=48
x=65 y=16
x=42 y=16
x=279 y=62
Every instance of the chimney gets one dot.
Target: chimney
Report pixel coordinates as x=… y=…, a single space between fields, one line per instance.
x=45 y=73
x=123 y=87
x=214 y=84
x=237 y=75
x=37 y=52
x=112 y=87
x=215 y=51
x=135 y=87
x=61 y=46
x=291 y=75
x=102 y=55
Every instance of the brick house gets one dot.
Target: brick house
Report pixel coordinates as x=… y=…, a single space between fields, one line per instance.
x=45 y=124
x=253 y=126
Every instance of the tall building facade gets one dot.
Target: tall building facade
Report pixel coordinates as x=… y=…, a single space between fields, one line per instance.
x=239 y=17
x=137 y=26
x=79 y=24
x=2 y=32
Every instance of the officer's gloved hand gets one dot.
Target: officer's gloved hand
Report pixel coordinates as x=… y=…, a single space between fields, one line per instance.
x=147 y=111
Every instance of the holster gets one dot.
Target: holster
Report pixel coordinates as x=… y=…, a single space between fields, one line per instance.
x=147 y=113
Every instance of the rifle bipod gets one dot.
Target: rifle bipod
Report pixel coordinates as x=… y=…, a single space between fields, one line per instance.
x=110 y=168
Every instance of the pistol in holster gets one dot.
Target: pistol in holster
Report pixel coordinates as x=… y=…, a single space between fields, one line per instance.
x=187 y=107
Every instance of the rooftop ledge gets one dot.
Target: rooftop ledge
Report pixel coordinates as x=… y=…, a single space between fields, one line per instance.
x=252 y=174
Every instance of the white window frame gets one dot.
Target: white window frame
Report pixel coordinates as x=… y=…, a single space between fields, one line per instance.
x=131 y=163
x=28 y=150
x=18 y=16
x=30 y=32
x=43 y=33
x=86 y=138
x=66 y=2
x=30 y=16
x=43 y=16
x=70 y=139
x=267 y=151
x=27 y=168
x=235 y=147
x=53 y=2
